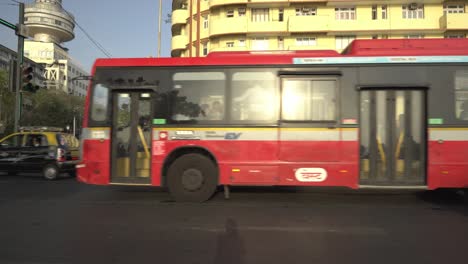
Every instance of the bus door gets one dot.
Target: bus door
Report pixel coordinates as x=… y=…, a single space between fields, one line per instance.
x=393 y=137
x=131 y=137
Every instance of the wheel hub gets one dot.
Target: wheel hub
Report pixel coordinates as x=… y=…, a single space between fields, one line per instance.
x=192 y=179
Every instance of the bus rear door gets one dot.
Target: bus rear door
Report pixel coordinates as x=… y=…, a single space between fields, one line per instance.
x=393 y=137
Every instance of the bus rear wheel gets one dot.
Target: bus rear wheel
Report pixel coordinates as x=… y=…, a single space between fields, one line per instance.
x=192 y=178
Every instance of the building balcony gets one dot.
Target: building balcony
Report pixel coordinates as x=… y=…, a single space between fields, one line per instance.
x=299 y=24
x=180 y=16
x=402 y=25
x=214 y=3
x=235 y=2
x=454 y=21
x=226 y=26
x=236 y=48
x=242 y=25
x=267 y=27
x=179 y=42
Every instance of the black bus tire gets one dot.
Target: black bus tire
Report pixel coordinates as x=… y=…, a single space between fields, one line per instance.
x=192 y=178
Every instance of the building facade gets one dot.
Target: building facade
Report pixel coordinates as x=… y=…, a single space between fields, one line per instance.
x=7 y=55
x=60 y=70
x=50 y=25
x=203 y=26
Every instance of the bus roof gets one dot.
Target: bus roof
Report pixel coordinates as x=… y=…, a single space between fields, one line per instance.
x=449 y=48
x=411 y=47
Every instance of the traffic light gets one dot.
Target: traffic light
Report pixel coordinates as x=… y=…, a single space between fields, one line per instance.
x=27 y=77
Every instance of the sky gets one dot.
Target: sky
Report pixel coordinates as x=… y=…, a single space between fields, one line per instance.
x=125 y=28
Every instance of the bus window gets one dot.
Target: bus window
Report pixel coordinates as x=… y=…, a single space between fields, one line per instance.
x=461 y=95
x=99 y=103
x=254 y=96
x=198 y=96
x=309 y=100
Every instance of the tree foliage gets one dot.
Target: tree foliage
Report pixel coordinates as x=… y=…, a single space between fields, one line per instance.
x=52 y=108
x=43 y=108
x=7 y=105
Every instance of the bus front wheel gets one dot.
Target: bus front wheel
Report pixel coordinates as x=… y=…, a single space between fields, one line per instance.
x=192 y=178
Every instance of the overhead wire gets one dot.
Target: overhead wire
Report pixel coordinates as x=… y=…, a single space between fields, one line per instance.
x=97 y=44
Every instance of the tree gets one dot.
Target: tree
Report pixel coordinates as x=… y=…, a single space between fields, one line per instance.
x=53 y=108
x=7 y=105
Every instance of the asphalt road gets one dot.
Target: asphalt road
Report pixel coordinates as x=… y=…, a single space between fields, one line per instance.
x=68 y=222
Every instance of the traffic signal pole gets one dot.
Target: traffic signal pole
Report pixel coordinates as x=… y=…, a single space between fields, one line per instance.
x=19 y=65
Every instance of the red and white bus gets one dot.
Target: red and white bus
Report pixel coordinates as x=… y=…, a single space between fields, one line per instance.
x=384 y=114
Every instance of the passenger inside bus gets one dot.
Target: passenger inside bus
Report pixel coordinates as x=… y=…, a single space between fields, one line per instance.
x=216 y=112
x=204 y=110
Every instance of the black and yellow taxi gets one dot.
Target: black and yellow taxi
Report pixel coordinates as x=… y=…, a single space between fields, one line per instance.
x=39 y=149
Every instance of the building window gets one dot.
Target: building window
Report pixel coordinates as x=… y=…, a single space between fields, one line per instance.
x=241 y=11
x=384 y=37
x=230 y=13
x=306 y=41
x=57 y=22
x=260 y=43
x=413 y=11
x=384 y=12
x=343 y=41
x=205 y=22
x=241 y=42
x=455 y=35
x=205 y=49
x=280 y=43
x=374 y=12
x=306 y=11
x=281 y=14
x=414 y=36
x=260 y=14
x=375 y=36
x=454 y=9
x=345 y=13
x=230 y=44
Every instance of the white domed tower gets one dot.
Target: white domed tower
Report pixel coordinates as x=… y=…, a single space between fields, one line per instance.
x=49 y=22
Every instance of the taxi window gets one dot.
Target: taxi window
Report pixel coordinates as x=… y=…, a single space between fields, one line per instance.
x=36 y=141
x=13 y=141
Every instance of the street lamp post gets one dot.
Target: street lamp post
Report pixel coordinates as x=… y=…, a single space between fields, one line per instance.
x=159 y=28
x=19 y=65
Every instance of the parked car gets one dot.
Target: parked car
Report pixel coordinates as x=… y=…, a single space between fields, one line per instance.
x=39 y=149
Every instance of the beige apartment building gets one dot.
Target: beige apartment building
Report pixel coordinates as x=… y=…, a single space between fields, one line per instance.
x=203 y=26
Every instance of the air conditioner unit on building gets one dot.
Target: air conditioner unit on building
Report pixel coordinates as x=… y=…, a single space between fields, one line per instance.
x=413 y=6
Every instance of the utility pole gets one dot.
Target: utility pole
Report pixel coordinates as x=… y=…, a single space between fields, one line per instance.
x=159 y=28
x=19 y=64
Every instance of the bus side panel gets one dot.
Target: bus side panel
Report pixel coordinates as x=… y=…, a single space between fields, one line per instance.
x=96 y=156
x=317 y=172
x=448 y=164
x=241 y=162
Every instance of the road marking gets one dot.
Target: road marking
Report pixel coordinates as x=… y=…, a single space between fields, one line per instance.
x=297 y=229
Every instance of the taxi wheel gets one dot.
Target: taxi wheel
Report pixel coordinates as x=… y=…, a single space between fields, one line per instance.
x=50 y=172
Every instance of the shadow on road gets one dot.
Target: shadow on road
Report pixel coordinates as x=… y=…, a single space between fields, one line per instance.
x=446 y=199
